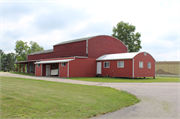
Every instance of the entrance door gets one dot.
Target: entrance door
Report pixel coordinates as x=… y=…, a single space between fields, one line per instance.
x=47 y=70
x=98 y=67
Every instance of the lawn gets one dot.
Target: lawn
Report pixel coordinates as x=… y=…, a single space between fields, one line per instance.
x=21 y=73
x=125 y=80
x=29 y=98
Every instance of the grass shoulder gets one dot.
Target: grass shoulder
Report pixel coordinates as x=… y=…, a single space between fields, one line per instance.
x=28 y=98
x=21 y=73
x=125 y=80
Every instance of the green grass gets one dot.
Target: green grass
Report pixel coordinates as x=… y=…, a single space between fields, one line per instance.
x=124 y=80
x=29 y=98
x=21 y=73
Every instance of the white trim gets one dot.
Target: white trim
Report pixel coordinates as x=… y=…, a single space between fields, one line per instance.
x=120 y=64
x=63 y=63
x=148 y=65
x=140 y=63
x=86 y=47
x=133 y=69
x=104 y=64
x=53 y=61
x=68 y=70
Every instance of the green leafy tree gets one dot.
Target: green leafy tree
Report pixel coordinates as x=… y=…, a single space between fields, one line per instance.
x=8 y=61
x=125 y=32
x=21 y=50
x=35 y=47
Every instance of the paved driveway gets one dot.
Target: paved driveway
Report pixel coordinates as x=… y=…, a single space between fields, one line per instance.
x=158 y=100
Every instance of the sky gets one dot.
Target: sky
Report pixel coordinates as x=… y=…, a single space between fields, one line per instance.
x=49 y=22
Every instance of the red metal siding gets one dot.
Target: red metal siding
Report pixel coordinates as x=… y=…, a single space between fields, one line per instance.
x=70 y=49
x=82 y=67
x=144 y=72
x=101 y=45
x=40 y=56
x=38 y=70
x=63 y=70
x=114 y=71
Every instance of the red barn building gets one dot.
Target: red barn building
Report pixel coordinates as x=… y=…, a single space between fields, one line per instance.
x=87 y=57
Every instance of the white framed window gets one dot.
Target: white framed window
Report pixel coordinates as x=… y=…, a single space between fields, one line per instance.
x=149 y=65
x=140 y=64
x=120 y=64
x=106 y=64
x=38 y=65
x=63 y=64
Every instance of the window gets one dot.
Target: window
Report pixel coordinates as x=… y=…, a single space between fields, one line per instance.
x=106 y=64
x=149 y=65
x=53 y=65
x=63 y=64
x=145 y=54
x=38 y=65
x=120 y=64
x=140 y=64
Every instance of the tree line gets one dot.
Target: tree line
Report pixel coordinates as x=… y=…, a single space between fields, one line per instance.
x=125 y=32
x=22 y=50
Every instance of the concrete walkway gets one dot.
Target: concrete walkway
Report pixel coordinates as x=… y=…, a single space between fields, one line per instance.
x=158 y=100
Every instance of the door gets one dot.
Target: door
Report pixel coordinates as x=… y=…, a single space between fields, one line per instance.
x=47 y=70
x=98 y=67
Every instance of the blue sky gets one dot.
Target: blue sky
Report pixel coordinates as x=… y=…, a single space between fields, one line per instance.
x=50 y=22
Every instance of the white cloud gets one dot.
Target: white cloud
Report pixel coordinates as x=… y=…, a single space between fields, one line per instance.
x=51 y=22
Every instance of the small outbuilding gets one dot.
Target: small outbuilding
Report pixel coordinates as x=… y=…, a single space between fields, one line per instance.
x=136 y=64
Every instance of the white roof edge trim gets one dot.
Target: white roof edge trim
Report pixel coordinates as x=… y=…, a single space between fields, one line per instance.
x=119 y=56
x=53 y=61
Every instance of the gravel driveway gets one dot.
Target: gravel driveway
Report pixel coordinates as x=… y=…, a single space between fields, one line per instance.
x=158 y=100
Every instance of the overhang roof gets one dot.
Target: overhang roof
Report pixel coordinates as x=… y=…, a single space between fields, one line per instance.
x=53 y=61
x=41 y=52
x=75 y=40
x=118 y=56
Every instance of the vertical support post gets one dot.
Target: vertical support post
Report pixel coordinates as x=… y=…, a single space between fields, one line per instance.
x=23 y=67
x=20 y=67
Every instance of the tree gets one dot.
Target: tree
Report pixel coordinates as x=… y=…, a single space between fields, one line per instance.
x=8 y=61
x=35 y=47
x=22 y=49
x=125 y=32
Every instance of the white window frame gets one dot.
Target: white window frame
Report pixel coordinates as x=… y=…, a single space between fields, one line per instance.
x=38 y=65
x=140 y=64
x=63 y=64
x=105 y=63
x=149 y=65
x=120 y=64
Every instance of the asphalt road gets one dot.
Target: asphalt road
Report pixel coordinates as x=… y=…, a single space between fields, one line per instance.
x=158 y=100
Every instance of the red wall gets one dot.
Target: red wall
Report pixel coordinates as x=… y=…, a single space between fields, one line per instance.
x=55 y=67
x=38 y=70
x=82 y=67
x=63 y=70
x=144 y=72
x=70 y=49
x=101 y=45
x=40 y=56
x=113 y=71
